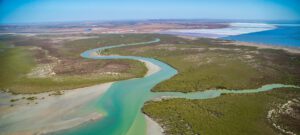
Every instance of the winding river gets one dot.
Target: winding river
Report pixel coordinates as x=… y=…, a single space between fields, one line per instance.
x=122 y=103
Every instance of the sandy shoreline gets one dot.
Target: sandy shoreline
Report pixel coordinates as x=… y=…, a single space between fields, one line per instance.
x=259 y=46
x=153 y=128
x=263 y=46
x=48 y=113
x=152 y=68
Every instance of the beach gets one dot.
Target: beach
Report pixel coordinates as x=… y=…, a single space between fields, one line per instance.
x=48 y=113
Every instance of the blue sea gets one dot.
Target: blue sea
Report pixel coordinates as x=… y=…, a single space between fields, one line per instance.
x=287 y=36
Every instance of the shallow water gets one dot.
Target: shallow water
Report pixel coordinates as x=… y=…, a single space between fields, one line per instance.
x=122 y=103
x=288 y=36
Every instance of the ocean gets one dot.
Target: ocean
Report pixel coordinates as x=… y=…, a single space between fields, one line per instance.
x=287 y=36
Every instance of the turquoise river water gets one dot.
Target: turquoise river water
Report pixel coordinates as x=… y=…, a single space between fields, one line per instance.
x=122 y=103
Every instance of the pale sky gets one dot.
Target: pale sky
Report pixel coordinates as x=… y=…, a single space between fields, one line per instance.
x=32 y=11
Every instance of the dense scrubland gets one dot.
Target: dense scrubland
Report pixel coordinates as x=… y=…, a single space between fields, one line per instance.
x=209 y=64
x=231 y=114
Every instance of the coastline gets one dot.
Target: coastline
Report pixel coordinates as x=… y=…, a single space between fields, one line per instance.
x=259 y=46
x=263 y=46
x=37 y=117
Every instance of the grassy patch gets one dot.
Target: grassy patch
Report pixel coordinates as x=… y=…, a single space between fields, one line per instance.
x=14 y=63
x=72 y=72
x=65 y=82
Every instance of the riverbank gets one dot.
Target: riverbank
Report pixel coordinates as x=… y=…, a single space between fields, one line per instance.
x=48 y=112
x=152 y=68
x=153 y=128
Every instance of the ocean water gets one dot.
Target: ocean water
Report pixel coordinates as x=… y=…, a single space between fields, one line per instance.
x=283 y=35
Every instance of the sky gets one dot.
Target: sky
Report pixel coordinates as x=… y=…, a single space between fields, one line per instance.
x=37 y=11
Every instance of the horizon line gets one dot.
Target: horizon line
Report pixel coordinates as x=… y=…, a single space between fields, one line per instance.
x=164 y=19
